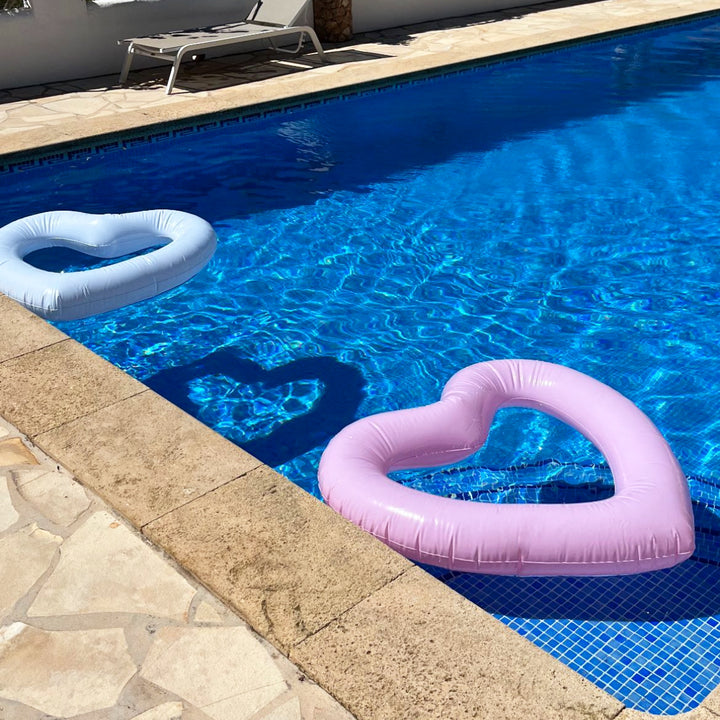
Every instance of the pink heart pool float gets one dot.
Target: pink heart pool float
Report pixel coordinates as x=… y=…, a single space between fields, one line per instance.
x=646 y=525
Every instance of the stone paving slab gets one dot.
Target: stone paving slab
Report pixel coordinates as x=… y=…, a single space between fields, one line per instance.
x=96 y=624
x=21 y=331
x=441 y=653
x=153 y=457
x=53 y=385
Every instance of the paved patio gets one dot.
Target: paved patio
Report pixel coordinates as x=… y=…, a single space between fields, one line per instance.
x=96 y=623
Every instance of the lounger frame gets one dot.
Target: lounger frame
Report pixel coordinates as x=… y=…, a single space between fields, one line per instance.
x=173 y=47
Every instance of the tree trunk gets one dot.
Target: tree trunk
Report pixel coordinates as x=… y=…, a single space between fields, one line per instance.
x=333 y=20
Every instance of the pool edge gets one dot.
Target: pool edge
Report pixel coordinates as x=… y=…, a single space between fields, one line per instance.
x=316 y=84
x=258 y=542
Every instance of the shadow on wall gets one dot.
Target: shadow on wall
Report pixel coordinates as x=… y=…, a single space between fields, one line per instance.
x=342 y=391
x=400 y=22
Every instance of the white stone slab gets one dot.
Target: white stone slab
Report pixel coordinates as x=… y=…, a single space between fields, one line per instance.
x=206 y=613
x=166 y=711
x=14 y=452
x=57 y=496
x=23 y=474
x=63 y=673
x=45 y=535
x=226 y=672
x=245 y=706
x=287 y=711
x=36 y=554
x=324 y=706
x=104 y=567
x=8 y=515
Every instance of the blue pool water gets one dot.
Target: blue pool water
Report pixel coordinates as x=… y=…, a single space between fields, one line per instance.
x=561 y=207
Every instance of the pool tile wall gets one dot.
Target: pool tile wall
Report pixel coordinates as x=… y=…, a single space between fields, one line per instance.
x=635 y=636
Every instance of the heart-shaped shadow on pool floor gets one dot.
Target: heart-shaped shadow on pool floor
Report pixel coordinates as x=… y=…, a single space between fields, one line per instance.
x=341 y=395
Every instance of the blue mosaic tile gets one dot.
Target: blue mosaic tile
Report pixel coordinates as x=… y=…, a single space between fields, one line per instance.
x=650 y=639
x=225 y=122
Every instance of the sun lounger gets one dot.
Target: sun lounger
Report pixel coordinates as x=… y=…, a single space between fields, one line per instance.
x=259 y=25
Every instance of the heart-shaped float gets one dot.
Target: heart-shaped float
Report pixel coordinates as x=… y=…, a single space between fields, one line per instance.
x=646 y=525
x=188 y=244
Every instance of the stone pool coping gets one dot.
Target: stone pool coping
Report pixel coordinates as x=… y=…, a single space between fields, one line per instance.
x=378 y=633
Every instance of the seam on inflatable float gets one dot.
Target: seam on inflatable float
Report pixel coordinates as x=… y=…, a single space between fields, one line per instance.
x=528 y=562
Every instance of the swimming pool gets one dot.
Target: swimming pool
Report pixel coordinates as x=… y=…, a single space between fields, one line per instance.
x=550 y=208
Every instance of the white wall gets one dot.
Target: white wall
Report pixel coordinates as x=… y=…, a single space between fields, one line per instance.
x=379 y=14
x=67 y=39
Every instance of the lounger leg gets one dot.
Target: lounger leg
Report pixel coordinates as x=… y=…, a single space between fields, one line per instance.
x=173 y=74
x=302 y=31
x=126 y=66
x=301 y=40
x=314 y=39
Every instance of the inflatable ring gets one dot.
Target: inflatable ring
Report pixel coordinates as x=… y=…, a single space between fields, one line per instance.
x=646 y=525
x=188 y=243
